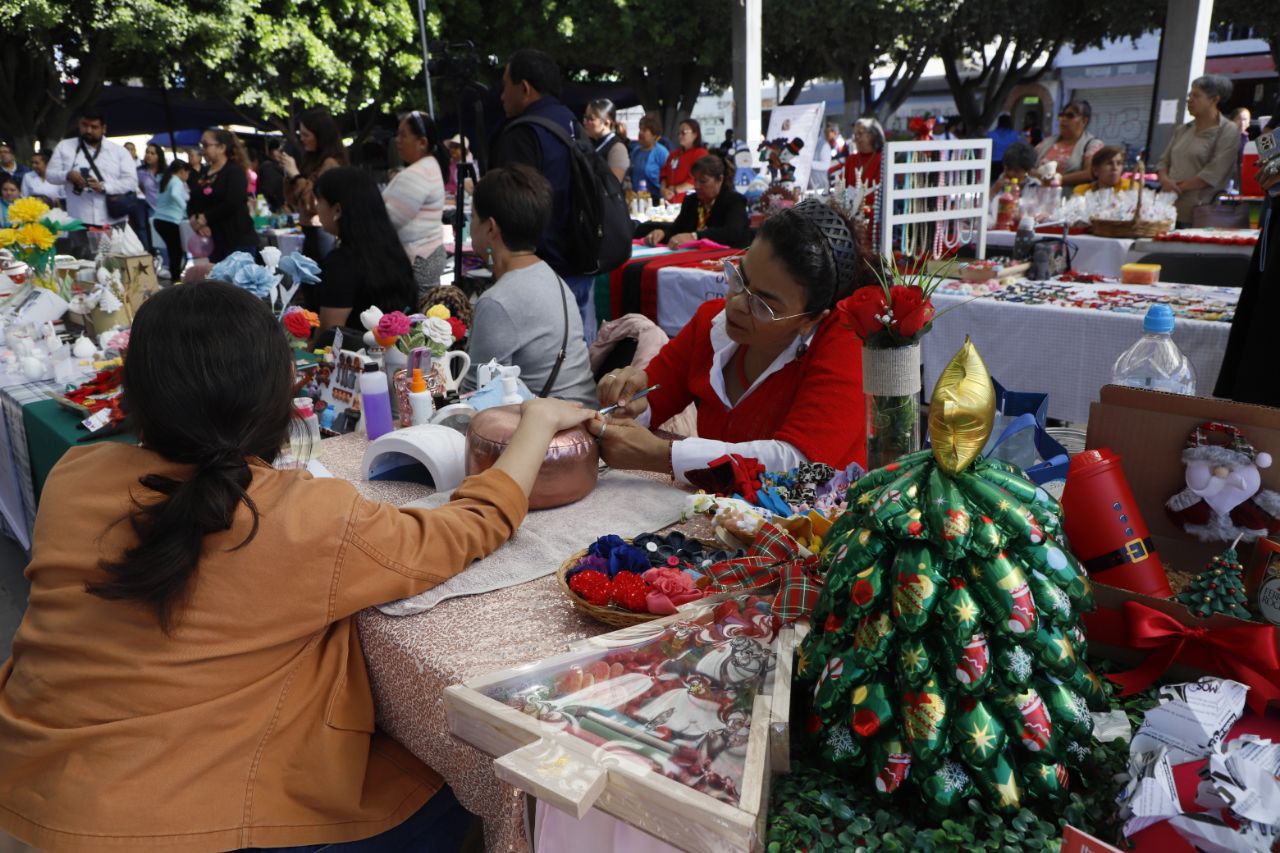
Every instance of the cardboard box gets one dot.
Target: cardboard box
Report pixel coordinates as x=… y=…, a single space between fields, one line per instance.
x=571 y=774
x=1149 y=430
x=138 y=272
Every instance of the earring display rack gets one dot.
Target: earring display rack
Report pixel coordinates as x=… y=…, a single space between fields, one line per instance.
x=934 y=196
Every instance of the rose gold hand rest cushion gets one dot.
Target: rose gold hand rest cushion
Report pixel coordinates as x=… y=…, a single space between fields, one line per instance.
x=568 y=473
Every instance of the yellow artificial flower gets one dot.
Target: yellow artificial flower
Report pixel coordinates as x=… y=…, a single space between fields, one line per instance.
x=438 y=311
x=27 y=210
x=35 y=235
x=8 y=237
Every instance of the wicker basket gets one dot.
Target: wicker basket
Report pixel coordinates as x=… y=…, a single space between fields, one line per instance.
x=608 y=614
x=1130 y=228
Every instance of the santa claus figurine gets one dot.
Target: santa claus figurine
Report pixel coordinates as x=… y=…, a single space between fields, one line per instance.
x=1224 y=497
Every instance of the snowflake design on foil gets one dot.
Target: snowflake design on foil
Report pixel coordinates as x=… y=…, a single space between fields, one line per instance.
x=953 y=776
x=1078 y=752
x=840 y=742
x=1019 y=662
x=1079 y=707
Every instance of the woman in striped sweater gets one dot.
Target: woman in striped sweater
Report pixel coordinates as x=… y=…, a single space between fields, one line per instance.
x=415 y=197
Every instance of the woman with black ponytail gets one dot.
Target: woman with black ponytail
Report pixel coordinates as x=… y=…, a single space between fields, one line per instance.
x=188 y=674
x=415 y=197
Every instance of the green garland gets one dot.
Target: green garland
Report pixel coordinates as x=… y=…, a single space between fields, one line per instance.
x=812 y=809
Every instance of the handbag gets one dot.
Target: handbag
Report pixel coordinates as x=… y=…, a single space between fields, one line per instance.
x=119 y=205
x=1019 y=435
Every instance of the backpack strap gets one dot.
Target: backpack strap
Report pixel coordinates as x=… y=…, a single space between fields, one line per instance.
x=546 y=124
x=564 y=341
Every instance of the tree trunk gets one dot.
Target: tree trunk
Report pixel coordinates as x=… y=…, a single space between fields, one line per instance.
x=851 y=80
x=793 y=91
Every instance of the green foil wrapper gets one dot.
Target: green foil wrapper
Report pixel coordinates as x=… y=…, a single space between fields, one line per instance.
x=978 y=735
x=871 y=639
x=915 y=660
x=1053 y=561
x=1045 y=781
x=835 y=681
x=947 y=518
x=1030 y=722
x=924 y=721
x=871 y=709
x=960 y=611
x=891 y=763
x=1009 y=514
x=1055 y=651
x=1014 y=663
x=1000 y=782
x=971 y=671
x=1002 y=588
x=1069 y=709
x=917 y=586
x=945 y=788
x=1052 y=603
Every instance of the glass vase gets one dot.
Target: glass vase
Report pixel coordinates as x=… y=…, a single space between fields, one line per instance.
x=891 y=385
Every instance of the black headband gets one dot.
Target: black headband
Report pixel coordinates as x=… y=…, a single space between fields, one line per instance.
x=836 y=236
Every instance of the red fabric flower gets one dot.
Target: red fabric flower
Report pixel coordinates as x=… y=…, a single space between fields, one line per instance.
x=911 y=311
x=393 y=324
x=592 y=586
x=297 y=324
x=458 y=328
x=630 y=592
x=668 y=589
x=832 y=625
x=859 y=311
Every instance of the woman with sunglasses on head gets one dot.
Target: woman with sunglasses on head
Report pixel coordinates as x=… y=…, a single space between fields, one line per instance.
x=713 y=211
x=219 y=202
x=415 y=197
x=322 y=150
x=774 y=374
x=1074 y=146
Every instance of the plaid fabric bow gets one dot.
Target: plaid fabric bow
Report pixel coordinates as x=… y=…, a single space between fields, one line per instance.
x=773 y=558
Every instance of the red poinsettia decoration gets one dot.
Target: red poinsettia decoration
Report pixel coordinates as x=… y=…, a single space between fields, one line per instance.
x=922 y=126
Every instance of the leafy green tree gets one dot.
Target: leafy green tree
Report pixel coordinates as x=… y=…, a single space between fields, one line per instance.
x=991 y=47
x=849 y=40
x=1262 y=18
x=60 y=53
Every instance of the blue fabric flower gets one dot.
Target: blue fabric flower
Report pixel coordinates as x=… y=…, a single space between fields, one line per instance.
x=259 y=281
x=628 y=558
x=301 y=268
x=605 y=545
x=226 y=269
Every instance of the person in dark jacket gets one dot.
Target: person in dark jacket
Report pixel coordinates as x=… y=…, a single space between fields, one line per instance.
x=219 y=203
x=1248 y=373
x=713 y=211
x=531 y=89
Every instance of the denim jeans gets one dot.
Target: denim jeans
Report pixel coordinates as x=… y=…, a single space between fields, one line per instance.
x=583 y=289
x=438 y=827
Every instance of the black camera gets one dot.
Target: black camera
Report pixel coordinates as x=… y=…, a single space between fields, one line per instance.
x=456 y=61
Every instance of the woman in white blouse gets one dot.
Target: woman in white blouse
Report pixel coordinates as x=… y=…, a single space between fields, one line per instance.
x=35 y=183
x=415 y=197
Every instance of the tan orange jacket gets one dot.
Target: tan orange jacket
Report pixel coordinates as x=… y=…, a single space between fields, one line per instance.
x=253 y=723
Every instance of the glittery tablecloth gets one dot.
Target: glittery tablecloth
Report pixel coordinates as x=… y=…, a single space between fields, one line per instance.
x=412 y=659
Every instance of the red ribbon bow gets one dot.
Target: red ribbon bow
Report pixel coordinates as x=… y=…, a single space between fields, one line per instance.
x=774 y=557
x=1246 y=654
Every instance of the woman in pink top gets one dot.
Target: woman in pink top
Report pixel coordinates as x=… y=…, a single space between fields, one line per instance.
x=1074 y=146
x=415 y=197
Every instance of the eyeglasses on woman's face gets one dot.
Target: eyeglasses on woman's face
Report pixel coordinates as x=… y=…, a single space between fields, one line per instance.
x=1068 y=114
x=760 y=309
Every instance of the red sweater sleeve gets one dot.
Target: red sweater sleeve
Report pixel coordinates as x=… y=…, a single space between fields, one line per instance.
x=677 y=361
x=827 y=419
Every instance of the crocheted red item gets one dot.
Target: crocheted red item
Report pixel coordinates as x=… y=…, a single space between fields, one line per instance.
x=592 y=586
x=630 y=592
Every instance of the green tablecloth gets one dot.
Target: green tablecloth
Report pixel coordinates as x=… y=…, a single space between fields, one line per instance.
x=51 y=432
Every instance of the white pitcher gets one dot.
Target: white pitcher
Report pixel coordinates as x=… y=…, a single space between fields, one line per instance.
x=444 y=365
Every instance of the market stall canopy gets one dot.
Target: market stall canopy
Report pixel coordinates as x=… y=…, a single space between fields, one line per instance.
x=133 y=110
x=184 y=138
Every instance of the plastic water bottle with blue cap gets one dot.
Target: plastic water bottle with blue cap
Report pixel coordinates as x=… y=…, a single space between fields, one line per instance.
x=1155 y=361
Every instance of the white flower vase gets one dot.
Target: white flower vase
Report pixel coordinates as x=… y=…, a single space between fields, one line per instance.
x=442 y=367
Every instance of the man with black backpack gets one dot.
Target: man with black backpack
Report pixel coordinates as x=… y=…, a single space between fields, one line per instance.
x=590 y=230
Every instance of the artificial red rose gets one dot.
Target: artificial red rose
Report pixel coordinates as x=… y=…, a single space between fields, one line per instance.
x=860 y=310
x=297 y=324
x=668 y=589
x=862 y=593
x=458 y=327
x=911 y=311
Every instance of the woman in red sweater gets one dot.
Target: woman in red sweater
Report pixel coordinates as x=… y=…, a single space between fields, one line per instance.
x=775 y=375
x=677 y=173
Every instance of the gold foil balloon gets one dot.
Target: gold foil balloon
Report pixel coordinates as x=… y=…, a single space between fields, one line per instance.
x=962 y=411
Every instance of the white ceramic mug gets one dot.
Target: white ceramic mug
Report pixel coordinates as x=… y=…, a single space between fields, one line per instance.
x=448 y=374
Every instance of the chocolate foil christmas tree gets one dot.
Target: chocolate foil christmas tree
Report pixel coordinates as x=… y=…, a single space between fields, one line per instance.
x=946 y=654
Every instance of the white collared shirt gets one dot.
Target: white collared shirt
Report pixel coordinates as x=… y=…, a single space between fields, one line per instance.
x=119 y=175
x=691 y=454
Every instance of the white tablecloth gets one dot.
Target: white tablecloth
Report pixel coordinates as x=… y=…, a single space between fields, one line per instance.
x=1176 y=247
x=1067 y=352
x=681 y=290
x=1098 y=255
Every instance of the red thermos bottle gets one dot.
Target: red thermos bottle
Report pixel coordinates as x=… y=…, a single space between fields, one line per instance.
x=1106 y=528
